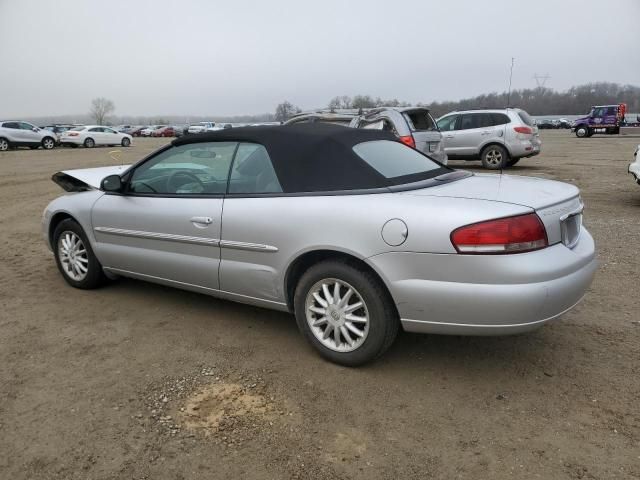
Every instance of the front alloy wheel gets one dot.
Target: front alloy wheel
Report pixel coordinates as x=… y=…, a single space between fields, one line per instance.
x=337 y=315
x=73 y=256
x=48 y=143
x=582 y=132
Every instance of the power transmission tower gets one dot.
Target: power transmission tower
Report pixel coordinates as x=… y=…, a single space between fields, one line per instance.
x=541 y=80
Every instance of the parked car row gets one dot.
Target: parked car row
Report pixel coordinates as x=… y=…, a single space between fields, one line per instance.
x=553 y=124
x=499 y=138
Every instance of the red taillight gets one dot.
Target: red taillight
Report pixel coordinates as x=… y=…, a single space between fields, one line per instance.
x=527 y=130
x=506 y=235
x=73 y=134
x=408 y=140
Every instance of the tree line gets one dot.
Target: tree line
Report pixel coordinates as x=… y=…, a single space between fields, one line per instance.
x=536 y=101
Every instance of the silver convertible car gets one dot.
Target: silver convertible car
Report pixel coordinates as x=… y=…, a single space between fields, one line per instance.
x=352 y=231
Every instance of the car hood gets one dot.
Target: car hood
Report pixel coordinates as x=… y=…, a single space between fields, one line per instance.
x=530 y=192
x=85 y=178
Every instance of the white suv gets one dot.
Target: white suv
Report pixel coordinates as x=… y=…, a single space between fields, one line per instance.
x=500 y=138
x=23 y=134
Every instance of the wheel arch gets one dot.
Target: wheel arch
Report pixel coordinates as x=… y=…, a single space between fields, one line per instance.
x=305 y=260
x=56 y=219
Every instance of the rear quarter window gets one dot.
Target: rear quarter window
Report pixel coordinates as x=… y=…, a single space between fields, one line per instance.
x=499 y=119
x=393 y=160
x=524 y=116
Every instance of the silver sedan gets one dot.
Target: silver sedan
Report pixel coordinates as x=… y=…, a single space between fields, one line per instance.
x=353 y=232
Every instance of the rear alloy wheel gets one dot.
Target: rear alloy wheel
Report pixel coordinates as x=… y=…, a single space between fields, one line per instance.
x=494 y=157
x=126 y=142
x=345 y=313
x=4 y=145
x=89 y=143
x=582 y=132
x=74 y=256
x=48 y=143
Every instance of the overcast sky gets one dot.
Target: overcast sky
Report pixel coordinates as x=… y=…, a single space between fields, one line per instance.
x=198 y=57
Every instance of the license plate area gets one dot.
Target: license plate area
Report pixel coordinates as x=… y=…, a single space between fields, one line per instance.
x=570 y=227
x=433 y=146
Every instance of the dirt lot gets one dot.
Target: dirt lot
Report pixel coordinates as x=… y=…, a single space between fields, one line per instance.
x=140 y=381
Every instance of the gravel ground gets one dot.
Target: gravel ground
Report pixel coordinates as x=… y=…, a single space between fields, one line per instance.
x=139 y=381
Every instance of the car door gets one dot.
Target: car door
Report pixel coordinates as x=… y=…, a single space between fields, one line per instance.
x=469 y=135
x=30 y=133
x=166 y=224
x=249 y=244
x=492 y=125
x=96 y=133
x=15 y=132
x=447 y=126
x=111 y=137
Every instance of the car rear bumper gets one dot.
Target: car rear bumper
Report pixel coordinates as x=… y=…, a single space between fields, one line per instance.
x=487 y=294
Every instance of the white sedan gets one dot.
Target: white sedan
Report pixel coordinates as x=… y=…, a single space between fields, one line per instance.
x=92 y=135
x=634 y=167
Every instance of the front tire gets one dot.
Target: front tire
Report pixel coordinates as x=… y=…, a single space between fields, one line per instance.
x=494 y=157
x=89 y=143
x=125 y=142
x=48 y=143
x=582 y=131
x=74 y=256
x=345 y=313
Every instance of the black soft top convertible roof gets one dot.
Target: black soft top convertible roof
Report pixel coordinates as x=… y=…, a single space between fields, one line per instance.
x=307 y=157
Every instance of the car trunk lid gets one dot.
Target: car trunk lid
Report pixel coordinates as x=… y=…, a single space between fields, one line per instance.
x=557 y=204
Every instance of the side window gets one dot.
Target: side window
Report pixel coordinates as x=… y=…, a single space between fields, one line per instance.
x=447 y=124
x=96 y=129
x=26 y=126
x=108 y=130
x=484 y=120
x=14 y=125
x=499 y=119
x=193 y=169
x=468 y=121
x=612 y=111
x=597 y=112
x=253 y=171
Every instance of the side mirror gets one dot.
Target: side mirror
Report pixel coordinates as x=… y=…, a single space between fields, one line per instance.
x=112 y=183
x=35 y=129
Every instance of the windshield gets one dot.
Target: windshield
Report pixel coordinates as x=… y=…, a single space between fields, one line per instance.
x=396 y=161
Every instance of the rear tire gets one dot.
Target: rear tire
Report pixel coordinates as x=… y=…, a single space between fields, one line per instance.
x=358 y=341
x=4 y=145
x=582 y=132
x=74 y=256
x=126 y=142
x=89 y=143
x=494 y=157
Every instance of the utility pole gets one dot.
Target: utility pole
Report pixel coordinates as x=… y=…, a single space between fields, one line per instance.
x=510 y=80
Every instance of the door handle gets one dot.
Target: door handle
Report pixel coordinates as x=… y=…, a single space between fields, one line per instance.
x=449 y=136
x=202 y=220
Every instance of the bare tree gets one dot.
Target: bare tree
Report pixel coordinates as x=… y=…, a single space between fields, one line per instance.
x=100 y=108
x=286 y=110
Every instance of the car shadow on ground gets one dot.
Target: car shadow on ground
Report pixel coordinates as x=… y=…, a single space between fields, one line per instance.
x=279 y=331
